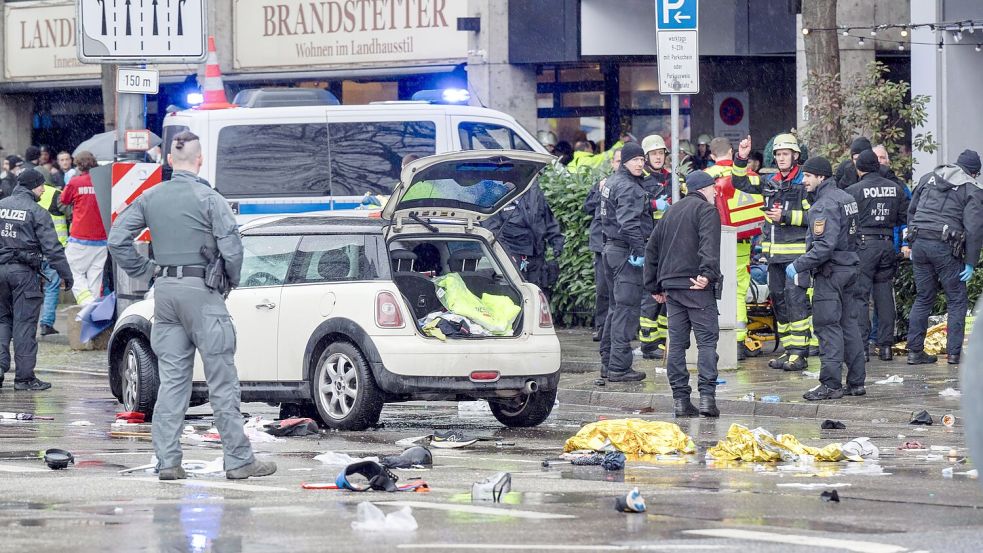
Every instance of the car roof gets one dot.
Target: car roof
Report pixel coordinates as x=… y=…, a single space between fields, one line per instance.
x=317 y=224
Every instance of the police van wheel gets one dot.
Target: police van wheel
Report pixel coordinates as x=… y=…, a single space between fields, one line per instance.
x=526 y=410
x=344 y=390
x=139 y=378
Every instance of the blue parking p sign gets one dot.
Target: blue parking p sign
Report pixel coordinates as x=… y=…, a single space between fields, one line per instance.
x=676 y=14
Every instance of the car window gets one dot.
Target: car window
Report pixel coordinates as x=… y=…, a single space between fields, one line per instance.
x=368 y=156
x=335 y=258
x=488 y=136
x=266 y=259
x=272 y=160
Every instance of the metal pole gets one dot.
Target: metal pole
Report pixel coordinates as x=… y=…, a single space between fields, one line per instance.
x=674 y=115
x=131 y=114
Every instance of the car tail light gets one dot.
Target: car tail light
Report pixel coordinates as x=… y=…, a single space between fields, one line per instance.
x=545 y=318
x=387 y=314
x=484 y=376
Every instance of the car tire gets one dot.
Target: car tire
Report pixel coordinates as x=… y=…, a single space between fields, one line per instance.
x=344 y=391
x=138 y=377
x=530 y=410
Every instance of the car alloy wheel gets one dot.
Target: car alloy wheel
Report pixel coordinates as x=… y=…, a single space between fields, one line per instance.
x=131 y=381
x=338 y=385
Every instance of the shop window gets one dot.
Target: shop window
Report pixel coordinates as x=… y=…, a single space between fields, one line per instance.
x=272 y=160
x=368 y=156
x=487 y=136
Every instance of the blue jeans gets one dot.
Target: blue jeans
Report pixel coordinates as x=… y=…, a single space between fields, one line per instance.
x=51 y=291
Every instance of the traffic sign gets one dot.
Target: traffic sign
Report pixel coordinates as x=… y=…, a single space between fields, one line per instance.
x=141 y=31
x=678 y=46
x=676 y=14
x=137 y=81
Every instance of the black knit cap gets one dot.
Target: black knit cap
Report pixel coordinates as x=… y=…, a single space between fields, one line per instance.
x=30 y=179
x=698 y=180
x=631 y=151
x=32 y=153
x=969 y=160
x=860 y=144
x=867 y=162
x=818 y=166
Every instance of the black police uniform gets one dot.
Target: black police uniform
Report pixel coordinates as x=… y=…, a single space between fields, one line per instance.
x=833 y=260
x=524 y=227
x=27 y=234
x=653 y=322
x=626 y=222
x=945 y=229
x=883 y=205
x=595 y=243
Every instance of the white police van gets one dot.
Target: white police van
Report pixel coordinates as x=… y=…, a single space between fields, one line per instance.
x=291 y=150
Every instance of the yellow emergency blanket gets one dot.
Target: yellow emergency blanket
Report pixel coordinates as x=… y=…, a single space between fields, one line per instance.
x=761 y=446
x=632 y=437
x=494 y=313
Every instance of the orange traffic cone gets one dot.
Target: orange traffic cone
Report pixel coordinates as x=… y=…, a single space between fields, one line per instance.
x=214 y=92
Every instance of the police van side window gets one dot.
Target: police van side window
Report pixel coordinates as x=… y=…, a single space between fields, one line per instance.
x=272 y=160
x=487 y=136
x=335 y=258
x=367 y=156
x=266 y=259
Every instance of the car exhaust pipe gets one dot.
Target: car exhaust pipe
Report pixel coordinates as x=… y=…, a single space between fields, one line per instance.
x=531 y=387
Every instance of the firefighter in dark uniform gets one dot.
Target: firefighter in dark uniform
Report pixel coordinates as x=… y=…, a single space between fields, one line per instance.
x=945 y=229
x=832 y=260
x=626 y=222
x=883 y=206
x=190 y=224
x=524 y=227
x=27 y=235
x=653 y=324
x=682 y=270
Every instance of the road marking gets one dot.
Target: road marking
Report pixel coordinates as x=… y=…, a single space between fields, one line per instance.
x=552 y=547
x=795 y=539
x=491 y=511
x=16 y=468
x=212 y=484
x=495 y=460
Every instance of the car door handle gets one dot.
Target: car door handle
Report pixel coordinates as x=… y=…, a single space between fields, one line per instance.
x=267 y=305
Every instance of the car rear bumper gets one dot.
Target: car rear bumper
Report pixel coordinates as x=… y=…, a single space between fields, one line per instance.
x=443 y=387
x=414 y=356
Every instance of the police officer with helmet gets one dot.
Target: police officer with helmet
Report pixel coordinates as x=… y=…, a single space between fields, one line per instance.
x=626 y=222
x=190 y=224
x=945 y=230
x=832 y=260
x=27 y=234
x=883 y=206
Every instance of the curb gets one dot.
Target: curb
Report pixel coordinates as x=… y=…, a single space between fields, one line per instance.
x=662 y=403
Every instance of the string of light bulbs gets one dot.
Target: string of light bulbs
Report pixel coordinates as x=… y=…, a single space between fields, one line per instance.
x=955 y=28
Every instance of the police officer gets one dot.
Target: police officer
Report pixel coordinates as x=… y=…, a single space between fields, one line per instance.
x=595 y=243
x=653 y=324
x=188 y=219
x=833 y=261
x=524 y=227
x=945 y=229
x=846 y=173
x=626 y=221
x=883 y=206
x=682 y=270
x=27 y=235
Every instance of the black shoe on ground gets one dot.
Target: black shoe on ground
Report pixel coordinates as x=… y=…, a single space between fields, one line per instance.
x=48 y=330
x=708 y=406
x=921 y=358
x=854 y=391
x=886 y=354
x=813 y=351
x=651 y=354
x=822 y=392
x=778 y=362
x=254 y=469
x=796 y=363
x=683 y=408
x=596 y=336
x=33 y=385
x=172 y=473
x=627 y=376
x=952 y=359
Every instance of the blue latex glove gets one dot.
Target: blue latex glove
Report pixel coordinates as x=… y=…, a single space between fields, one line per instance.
x=636 y=261
x=967 y=273
x=661 y=204
x=790 y=271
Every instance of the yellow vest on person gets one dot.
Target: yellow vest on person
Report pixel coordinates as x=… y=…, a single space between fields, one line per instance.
x=61 y=223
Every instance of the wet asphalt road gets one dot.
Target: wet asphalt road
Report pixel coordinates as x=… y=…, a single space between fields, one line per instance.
x=692 y=506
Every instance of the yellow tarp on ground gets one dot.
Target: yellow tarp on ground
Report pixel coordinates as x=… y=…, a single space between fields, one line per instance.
x=759 y=445
x=632 y=437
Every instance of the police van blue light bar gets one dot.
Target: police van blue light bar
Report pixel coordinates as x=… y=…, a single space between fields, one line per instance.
x=194 y=98
x=445 y=96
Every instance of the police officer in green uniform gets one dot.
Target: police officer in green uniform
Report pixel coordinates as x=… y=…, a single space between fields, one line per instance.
x=188 y=220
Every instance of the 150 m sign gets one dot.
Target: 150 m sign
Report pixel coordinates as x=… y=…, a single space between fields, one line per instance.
x=137 y=81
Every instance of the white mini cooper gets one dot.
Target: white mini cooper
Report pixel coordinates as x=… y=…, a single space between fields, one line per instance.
x=330 y=311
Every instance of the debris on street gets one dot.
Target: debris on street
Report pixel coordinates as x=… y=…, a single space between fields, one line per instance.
x=632 y=437
x=371 y=519
x=633 y=502
x=922 y=418
x=58 y=459
x=830 y=495
x=950 y=392
x=492 y=488
x=832 y=425
x=891 y=379
x=759 y=445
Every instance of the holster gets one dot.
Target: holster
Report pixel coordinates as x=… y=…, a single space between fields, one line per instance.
x=29 y=258
x=957 y=243
x=215 y=277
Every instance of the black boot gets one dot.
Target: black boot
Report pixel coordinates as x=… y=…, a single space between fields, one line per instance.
x=921 y=358
x=596 y=336
x=886 y=354
x=33 y=385
x=626 y=376
x=683 y=407
x=708 y=406
x=952 y=359
x=796 y=363
x=778 y=362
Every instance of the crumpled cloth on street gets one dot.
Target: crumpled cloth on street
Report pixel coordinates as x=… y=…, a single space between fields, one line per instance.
x=936 y=335
x=495 y=313
x=632 y=437
x=759 y=445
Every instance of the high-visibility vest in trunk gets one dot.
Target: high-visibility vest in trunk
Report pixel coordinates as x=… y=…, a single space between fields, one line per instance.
x=737 y=209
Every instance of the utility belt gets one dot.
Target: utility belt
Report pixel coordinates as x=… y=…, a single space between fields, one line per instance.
x=956 y=239
x=181 y=271
x=617 y=243
x=872 y=237
x=30 y=259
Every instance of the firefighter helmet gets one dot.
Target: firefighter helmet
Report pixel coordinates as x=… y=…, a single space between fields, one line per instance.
x=653 y=142
x=704 y=139
x=786 y=141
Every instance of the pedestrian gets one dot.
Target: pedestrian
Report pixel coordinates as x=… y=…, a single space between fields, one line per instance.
x=86 y=249
x=595 y=243
x=654 y=324
x=682 y=270
x=742 y=212
x=626 y=222
x=13 y=166
x=28 y=236
x=883 y=206
x=945 y=229
x=702 y=158
x=49 y=201
x=32 y=160
x=187 y=218
x=548 y=140
x=756 y=160
x=786 y=204
x=833 y=261
x=67 y=166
